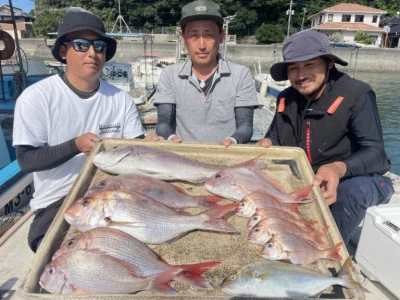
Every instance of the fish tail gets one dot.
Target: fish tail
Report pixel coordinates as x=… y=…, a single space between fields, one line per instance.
x=333 y=253
x=209 y=201
x=302 y=193
x=190 y=274
x=310 y=223
x=318 y=235
x=349 y=277
x=294 y=207
x=216 y=218
x=160 y=282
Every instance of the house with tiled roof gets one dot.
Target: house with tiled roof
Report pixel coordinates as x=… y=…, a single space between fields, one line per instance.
x=347 y=19
x=23 y=22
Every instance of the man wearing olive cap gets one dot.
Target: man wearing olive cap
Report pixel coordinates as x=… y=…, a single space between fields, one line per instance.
x=335 y=119
x=205 y=99
x=60 y=119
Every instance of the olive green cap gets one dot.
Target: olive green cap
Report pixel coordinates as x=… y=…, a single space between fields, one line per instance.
x=201 y=10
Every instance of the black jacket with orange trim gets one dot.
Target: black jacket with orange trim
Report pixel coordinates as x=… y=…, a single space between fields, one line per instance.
x=342 y=125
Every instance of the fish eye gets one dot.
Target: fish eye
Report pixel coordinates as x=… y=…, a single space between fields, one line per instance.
x=101 y=184
x=255 y=218
x=218 y=176
x=257 y=229
x=85 y=202
x=52 y=270
x=242 y=204
x=71 y=242
x=270 y=245
x=232 y=277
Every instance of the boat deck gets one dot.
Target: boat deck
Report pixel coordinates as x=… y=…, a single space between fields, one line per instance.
x=16 y=258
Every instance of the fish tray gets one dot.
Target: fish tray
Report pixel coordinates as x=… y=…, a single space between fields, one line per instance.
x=288 y=165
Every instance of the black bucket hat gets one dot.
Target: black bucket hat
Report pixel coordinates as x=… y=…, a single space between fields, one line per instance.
x=303 y=46
x=201 y=10
x=77 y=19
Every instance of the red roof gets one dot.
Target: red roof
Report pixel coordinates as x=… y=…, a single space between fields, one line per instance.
x=352 y=7
x=348 y=26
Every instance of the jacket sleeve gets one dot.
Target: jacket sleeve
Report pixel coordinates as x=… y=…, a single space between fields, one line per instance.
x=369 y=155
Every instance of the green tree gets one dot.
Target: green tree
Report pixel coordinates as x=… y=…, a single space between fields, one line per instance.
x=362 y=37
x=270 y=34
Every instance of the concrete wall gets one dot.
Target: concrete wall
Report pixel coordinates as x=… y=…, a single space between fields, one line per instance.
x=367 y=59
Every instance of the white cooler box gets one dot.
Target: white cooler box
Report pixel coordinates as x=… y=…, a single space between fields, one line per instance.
x=378 y=251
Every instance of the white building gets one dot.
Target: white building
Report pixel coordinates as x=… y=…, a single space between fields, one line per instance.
x=347 y=19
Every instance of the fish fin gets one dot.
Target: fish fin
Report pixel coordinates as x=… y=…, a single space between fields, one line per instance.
x=294 y=207
x=318 y=235
x=159 y=281
x=215 y=218
x=209 y=201
x=252 y=164
x=333 y=252
x=309 y=223
x=302 y=193
x=191 y=274
x=349 y=276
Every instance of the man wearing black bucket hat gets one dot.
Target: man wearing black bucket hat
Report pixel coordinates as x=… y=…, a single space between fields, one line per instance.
x=335 y=119
x=205 y=99
x=60 y=119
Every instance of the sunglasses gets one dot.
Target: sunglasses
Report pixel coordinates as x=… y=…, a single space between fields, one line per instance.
x=83 y=45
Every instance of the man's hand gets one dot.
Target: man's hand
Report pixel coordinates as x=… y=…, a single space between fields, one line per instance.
x=265 y=142
x=86 y=142
x=154 y=137
x=327 y=178
x=226 y=142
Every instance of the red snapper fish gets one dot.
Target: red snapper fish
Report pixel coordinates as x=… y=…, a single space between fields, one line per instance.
x=297 y=250
x=144 y=260
x=159 y=164
x=143 y=217
x=257 y=200
x=236 y=183
x=164 y=192
x=271 y=212
x=264 y=230
x=84 y=272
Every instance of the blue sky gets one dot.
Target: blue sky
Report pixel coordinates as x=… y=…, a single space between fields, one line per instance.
x=25 y=5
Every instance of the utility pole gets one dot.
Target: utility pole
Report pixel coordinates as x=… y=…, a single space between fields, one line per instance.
x=304 y=14
x=290 y=12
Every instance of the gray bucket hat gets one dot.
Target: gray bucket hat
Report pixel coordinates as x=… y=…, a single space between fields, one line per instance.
x=201 y=10
x=76 y=19
x=303 y=46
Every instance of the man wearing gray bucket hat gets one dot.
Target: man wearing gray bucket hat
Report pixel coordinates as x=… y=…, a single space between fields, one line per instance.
x=60 y=119
x=206 y=98
x=335 y=119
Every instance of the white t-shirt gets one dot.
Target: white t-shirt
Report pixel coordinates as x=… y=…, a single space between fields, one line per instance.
x=49 y=113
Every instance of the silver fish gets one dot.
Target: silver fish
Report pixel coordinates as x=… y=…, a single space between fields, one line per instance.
x=280 y=279
x=159 y=164
x=162 y=191
x=84 y=272
x=143 y=217
x=144 y=260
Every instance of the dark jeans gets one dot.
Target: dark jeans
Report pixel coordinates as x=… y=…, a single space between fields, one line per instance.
x=354 y=196
x=41 y=223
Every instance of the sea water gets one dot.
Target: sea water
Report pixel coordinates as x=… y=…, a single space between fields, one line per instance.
x=387 y=92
